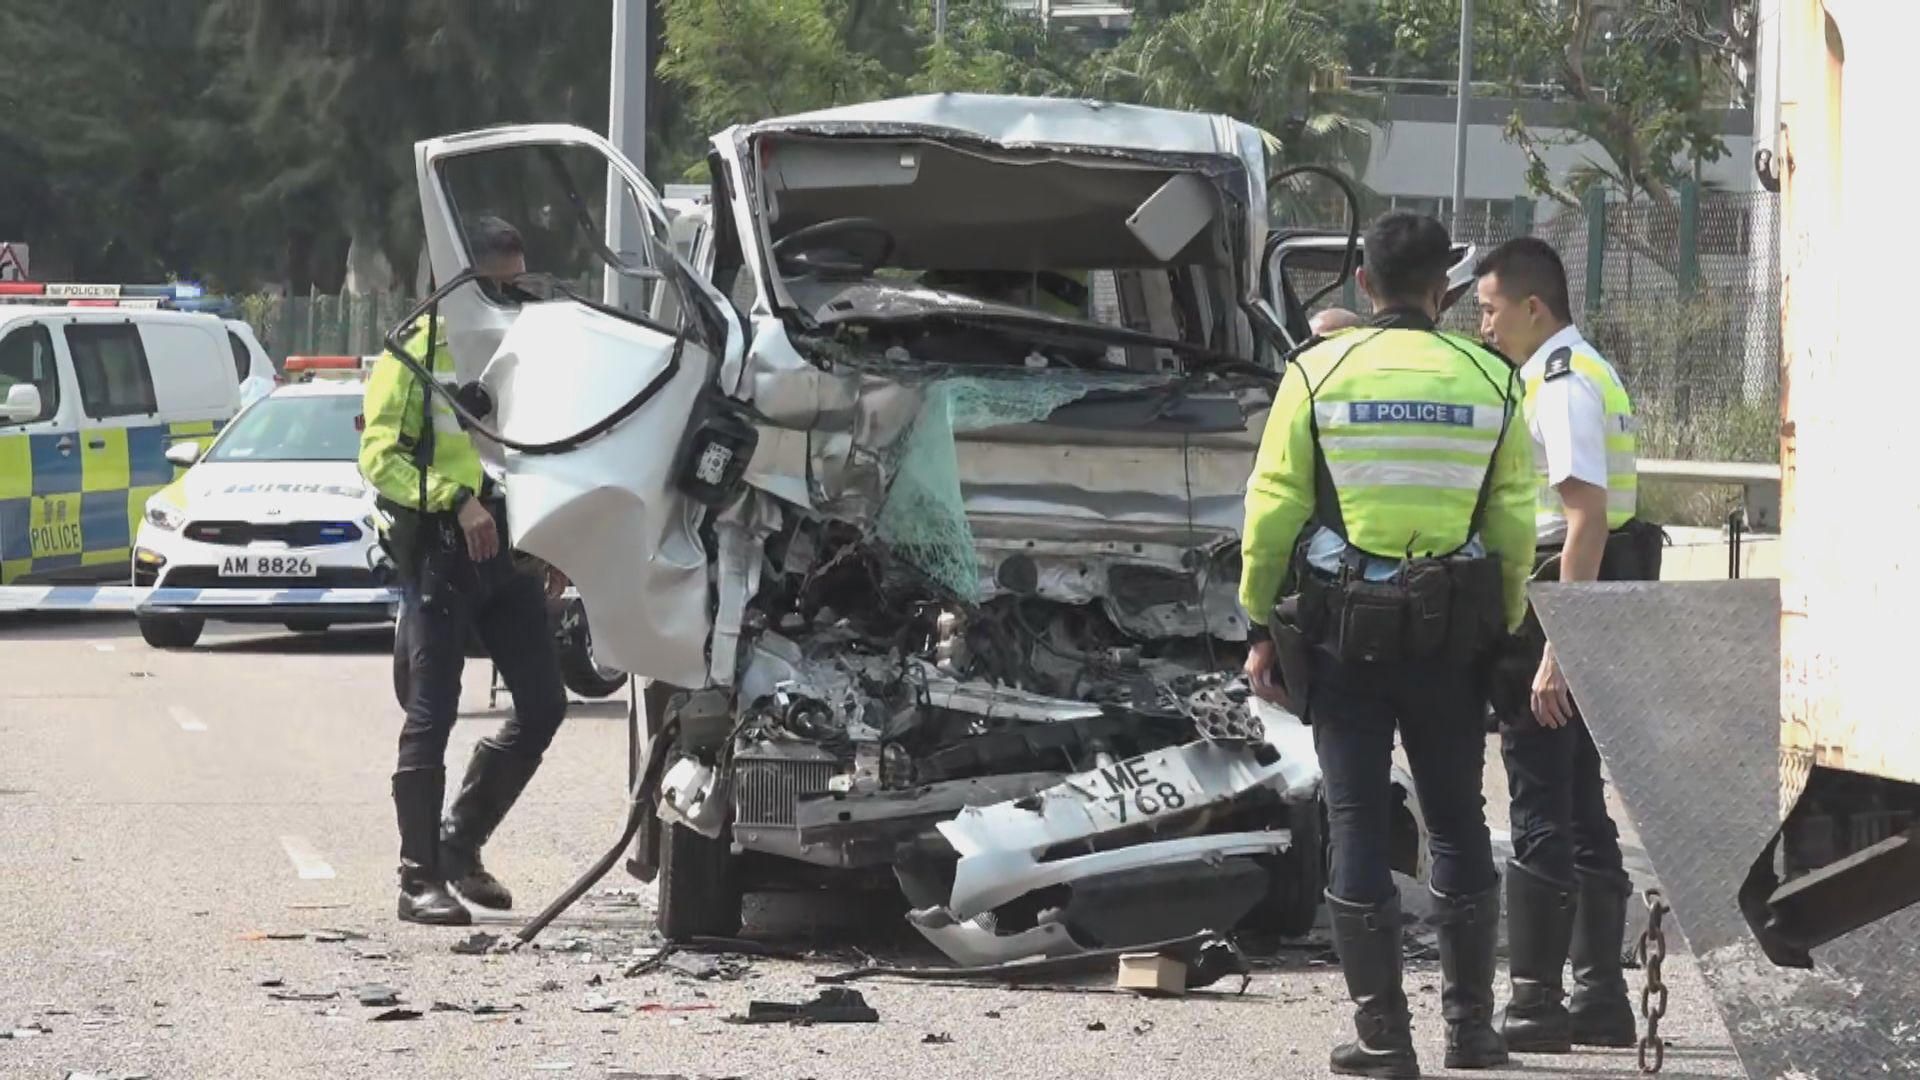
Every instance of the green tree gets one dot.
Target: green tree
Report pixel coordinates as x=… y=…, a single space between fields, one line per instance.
x=742 y=60
x=990 y=49
x=1271 y=63
x=340 y=90
x=89 y=112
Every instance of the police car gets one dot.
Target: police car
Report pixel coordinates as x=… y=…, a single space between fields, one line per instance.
x=96 y=382
x=276 y=502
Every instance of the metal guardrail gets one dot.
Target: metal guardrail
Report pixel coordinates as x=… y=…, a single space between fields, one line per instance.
x=1759 y=483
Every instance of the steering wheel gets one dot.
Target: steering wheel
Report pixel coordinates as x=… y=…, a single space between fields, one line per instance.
x=811 y=250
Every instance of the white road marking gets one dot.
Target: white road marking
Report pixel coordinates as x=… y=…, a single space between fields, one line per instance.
x=186 y=720
x=102 y=646
x=306 y=859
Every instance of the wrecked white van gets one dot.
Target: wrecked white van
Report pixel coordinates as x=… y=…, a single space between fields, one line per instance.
x=909 y=465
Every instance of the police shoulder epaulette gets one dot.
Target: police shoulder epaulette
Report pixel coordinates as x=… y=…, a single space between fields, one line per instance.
x=1302 y=348
x=1559 y=362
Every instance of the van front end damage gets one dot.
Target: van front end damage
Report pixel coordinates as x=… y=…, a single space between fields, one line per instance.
x=925 y=510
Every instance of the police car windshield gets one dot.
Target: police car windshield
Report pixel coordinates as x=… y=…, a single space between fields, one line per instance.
x=294 y=428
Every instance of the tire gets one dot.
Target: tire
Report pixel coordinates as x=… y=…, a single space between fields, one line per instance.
x=578 y=669
x=699 y=886
x=309 y=626
x=171 y=631
x=1292 y=904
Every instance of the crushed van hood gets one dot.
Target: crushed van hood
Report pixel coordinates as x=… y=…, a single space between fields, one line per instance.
x=947 y=597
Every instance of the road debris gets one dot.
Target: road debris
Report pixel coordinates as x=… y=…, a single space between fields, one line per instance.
x=553 y=1066
x=656 y=1007
x=397 y=1014
x=332 y=935
x=304 y=995
x=937 y=1039
x=1152 y=975
x=1209 y=957
x=478 y=943
x=29 y=1031
x=598 y=1003
x=835 y=1005
x=271 y=981
x=1097 y=1026
x=375 y=996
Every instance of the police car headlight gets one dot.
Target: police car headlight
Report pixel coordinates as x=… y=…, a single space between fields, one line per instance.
x=162 y=516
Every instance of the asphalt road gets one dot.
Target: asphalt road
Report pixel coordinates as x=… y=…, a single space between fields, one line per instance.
x=184 y=836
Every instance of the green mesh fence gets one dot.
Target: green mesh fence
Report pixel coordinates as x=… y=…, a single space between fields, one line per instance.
x=1683 y=299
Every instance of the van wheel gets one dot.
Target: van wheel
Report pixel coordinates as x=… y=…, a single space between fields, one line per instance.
x=171 y=631
x=582 y=673
x=1293 y=899
x=699 y=885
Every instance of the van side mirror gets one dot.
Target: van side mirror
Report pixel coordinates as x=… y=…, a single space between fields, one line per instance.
x=22 y=404
x=184 y=454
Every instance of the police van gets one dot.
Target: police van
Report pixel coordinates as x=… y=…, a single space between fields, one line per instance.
x=95 y=387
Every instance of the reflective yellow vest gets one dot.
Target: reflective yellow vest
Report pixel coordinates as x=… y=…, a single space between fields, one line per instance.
x=1409 y=423
x=392 y=410
x=1623 y=471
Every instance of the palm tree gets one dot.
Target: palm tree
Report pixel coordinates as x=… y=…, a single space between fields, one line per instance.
x=1272 y=63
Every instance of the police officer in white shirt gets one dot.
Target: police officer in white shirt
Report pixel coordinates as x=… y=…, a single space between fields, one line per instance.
x=1566 y=885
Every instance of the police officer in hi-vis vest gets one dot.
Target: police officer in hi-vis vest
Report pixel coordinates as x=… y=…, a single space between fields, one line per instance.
x=1390 y=512
x=444 y=524
x=1566 y=885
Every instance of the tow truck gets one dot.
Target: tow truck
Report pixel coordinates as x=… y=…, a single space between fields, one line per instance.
x=1760 y=731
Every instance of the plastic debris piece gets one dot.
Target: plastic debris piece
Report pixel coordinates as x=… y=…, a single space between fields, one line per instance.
x=553 y=1066
x=656 y=1007
x=937 y=1039
x=272 y=980
x=1096 y=1026
x=303 y=995
x=375 y=996
x=478 y=943
x=397 y=1014
x=597 y=1003
x=835 y=1005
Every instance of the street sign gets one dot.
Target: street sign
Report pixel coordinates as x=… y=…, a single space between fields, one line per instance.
x=13 y=261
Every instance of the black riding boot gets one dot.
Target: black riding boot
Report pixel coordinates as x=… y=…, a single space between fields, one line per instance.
x=495 y=779
x=1469 y=932
x=423 y=887
x=1598 y=1009
x=1367 y=937
x=1539 y=927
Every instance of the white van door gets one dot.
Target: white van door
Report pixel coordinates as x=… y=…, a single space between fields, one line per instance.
x=39 y=456
x=558 y=363
x=193 y=370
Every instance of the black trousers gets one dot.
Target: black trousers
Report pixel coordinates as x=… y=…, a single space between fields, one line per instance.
x=1439 y=710
x=1559 y=811
x=508 y=612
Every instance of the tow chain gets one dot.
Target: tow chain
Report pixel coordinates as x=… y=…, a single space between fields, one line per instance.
x=1652 y=952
